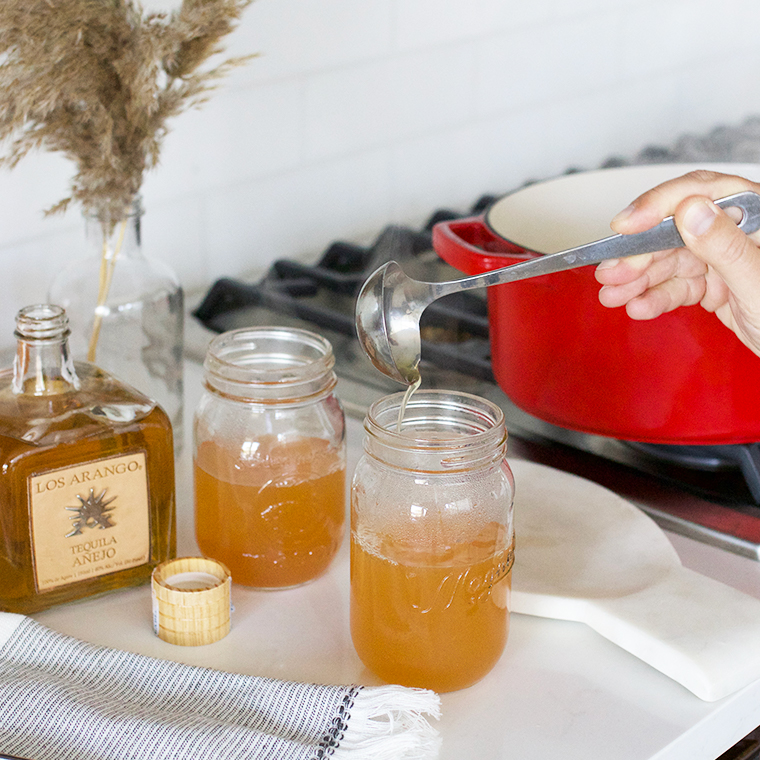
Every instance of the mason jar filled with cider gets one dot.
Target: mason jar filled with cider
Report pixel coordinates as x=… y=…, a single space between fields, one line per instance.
x=432 y=540
x=269 y=457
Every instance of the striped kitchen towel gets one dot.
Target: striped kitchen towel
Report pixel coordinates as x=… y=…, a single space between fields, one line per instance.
x=64 y=699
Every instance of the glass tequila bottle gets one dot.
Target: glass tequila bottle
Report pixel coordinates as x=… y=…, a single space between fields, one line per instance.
x=86 y=474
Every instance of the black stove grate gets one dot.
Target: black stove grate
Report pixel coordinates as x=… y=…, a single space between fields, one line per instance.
x=454 y=329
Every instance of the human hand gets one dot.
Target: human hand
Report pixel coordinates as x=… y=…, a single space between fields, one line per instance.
x=719 y=267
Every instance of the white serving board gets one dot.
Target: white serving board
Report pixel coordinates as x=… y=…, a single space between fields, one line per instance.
x=585 y=554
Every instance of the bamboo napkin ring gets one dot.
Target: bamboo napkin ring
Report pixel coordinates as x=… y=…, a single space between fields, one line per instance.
x=191 y=601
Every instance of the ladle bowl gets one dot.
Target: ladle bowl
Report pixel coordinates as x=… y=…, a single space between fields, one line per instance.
x=390 y=304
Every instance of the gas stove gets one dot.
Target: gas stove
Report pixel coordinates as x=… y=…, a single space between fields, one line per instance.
x=708 y=493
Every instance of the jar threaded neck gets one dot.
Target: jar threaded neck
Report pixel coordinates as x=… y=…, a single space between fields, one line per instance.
x=441 y=430
x=270 y=365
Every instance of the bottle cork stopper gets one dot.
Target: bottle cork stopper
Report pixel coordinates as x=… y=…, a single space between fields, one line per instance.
x=191 y=601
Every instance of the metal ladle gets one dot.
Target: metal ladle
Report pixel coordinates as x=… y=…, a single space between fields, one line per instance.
x=390 y=304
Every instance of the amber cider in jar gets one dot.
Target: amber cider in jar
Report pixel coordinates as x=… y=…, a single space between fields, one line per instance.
x=87 y=476
x=269 y=457
x=432 y=541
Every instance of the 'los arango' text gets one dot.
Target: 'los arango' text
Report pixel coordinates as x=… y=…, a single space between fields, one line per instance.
x=87 y=476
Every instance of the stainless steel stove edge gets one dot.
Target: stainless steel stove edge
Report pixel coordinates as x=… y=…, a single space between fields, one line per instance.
x=705 y=534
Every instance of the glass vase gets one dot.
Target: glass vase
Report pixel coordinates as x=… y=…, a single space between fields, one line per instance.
x=126 y=311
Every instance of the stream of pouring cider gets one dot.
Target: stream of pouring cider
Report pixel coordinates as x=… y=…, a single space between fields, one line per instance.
x=402 y=409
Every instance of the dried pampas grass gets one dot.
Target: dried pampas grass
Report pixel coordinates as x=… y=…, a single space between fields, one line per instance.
x=97 y=80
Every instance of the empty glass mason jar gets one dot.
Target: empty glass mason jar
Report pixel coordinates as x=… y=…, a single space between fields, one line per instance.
x=432 y=540
x=269 y=457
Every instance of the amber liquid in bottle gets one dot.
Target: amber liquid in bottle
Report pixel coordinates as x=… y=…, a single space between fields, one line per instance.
x=87 y=475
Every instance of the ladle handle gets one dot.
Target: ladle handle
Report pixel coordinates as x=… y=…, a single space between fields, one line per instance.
x=660 y=238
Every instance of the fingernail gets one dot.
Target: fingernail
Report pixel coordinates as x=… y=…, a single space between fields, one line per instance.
x=699 y=218
x=608 y=263
x=622 y=215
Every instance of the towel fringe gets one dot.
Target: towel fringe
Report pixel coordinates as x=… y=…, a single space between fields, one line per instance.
x=388 y=723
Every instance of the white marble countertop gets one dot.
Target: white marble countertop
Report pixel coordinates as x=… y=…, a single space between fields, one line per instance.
x=559 y=691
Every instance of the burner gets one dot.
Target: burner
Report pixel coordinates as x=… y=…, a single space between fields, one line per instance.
x=454 y=329
x=718 y=457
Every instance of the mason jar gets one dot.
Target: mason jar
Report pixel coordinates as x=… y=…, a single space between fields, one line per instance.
x=269 y=457
x=432 y=540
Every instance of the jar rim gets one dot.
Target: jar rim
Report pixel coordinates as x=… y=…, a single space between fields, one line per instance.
x=252 y=361
x=440 y=422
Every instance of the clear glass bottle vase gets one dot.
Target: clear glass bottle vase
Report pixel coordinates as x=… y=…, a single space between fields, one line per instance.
x=126 y=311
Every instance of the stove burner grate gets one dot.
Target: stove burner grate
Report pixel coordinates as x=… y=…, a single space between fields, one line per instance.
x=454 y=329
x=711 y=458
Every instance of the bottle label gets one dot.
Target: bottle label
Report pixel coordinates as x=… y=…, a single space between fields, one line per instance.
x=89 y=520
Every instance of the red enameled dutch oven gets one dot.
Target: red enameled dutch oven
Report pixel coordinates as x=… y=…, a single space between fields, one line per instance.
x=561 y=356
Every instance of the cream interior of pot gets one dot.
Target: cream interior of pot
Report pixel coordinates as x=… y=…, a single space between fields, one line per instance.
x=574 y=209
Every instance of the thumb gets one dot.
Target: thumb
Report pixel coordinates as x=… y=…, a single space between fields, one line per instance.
x=710 y=234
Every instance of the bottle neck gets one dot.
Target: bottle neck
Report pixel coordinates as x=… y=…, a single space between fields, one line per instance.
x=43 y=365
x=114 y=235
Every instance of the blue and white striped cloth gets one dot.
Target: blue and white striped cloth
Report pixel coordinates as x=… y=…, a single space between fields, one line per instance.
x=64 y=699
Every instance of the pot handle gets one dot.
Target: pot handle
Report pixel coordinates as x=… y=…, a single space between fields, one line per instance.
x=471 y=247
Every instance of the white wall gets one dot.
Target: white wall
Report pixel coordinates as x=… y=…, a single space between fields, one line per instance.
x=363 y=112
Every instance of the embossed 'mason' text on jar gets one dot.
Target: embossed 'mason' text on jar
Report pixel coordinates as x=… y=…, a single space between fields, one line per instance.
x=269 y=457
x=432 y=541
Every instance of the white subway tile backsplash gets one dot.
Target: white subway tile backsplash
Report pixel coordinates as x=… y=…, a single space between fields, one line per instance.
x=29 y=266
x=541 y=65
x=564 y=134
x=378 y=103
x=674 y=35
x=725 y=96
x=658 y=36
x=299 y=37
x=296 y=215
x=421 y=23
x=174 y=232
x=449 y=168
x=37 y=183
x=240 y=133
